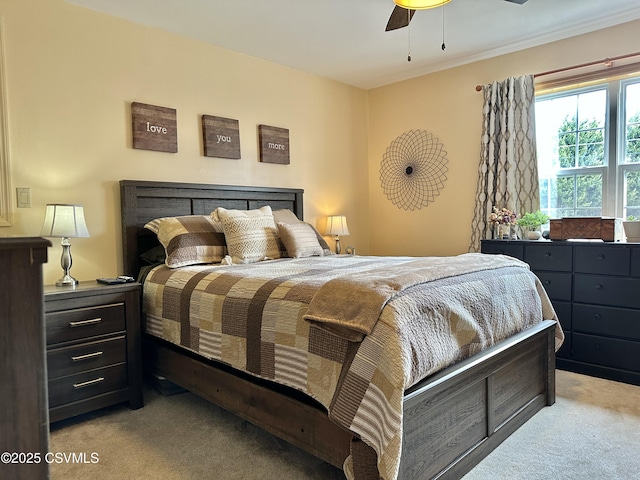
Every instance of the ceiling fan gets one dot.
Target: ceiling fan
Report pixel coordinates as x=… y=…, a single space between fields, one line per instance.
x=400 y=17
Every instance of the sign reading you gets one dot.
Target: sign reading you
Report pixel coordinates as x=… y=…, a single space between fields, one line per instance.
x=274 y=144
x=154 y=128
x=221 y=137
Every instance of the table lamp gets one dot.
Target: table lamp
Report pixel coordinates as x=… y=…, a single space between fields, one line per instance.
x=336 y=226
x=65 y=221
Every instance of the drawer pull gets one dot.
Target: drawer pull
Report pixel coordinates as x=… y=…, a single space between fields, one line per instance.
x=600 y=257
x=547 y=254
x=547 y=282
x=83 y=323
x=599 y=287
x=88 y=383
x=86 y=357
x=597 y=316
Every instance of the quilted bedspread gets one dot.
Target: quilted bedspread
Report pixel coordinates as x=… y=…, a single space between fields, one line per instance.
x=429 y=316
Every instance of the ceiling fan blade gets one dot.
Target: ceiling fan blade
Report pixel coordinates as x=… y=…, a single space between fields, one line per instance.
x=400 y=17
x=519 y=2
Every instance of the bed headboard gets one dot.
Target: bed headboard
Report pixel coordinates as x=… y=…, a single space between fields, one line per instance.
x=142 y=201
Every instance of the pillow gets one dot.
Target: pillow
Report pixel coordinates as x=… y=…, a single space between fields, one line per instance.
x=287 y=216
x=251 y=235
x=284 y=215
x=189 y=239
x=299 y=239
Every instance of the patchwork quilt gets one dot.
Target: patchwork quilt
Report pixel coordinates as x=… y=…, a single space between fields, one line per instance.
x=292 y=321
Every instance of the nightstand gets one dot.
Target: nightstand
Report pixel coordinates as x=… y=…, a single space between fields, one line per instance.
x=93 y=347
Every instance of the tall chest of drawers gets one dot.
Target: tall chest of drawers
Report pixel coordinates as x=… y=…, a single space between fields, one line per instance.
x=93 y=347
x=595 y=290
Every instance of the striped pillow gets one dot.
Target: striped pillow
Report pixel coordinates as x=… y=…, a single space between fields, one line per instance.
x=251 y=235
x=300 y=240
x=288 y=217
x=190 y=239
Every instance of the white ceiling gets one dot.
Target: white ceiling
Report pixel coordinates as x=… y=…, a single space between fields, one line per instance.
x=345 y=39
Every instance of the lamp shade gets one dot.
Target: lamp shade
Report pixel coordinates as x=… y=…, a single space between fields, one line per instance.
x=420 y=4
x=336 y=225
x=61 y=220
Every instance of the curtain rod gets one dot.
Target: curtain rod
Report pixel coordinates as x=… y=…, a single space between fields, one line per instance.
x=608 y=62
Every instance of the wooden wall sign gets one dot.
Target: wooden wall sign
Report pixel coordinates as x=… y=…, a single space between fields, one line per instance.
x=274 y=144
x=154 y=128
x=221 y=137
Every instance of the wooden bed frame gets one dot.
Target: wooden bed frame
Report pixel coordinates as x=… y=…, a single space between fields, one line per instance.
x=452 y=419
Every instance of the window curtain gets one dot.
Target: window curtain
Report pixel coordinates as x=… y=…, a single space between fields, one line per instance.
x=508 y=171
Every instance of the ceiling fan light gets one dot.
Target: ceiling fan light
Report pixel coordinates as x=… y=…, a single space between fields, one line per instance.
x=420 y=4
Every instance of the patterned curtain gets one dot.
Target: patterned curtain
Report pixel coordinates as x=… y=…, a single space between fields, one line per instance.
x=508 y=171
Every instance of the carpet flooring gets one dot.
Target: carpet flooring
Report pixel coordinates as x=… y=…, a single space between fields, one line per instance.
x=592 y=432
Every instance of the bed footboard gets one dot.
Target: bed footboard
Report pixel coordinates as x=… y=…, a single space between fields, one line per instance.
x=458 y=416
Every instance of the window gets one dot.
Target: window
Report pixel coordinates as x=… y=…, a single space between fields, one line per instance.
x=588 y=146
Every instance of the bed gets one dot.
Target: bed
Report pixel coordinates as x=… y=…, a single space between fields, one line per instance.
x=449 y=420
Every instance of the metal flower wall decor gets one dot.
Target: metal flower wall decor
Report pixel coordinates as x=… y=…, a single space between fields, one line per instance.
x=413 y=169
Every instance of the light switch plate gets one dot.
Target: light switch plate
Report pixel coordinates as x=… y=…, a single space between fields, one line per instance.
x=24 y=197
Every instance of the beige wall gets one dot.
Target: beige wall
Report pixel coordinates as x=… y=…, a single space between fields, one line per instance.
x=447 y=105
x=71 y=75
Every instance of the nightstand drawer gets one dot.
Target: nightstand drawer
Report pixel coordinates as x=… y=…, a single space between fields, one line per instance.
x=609 y=352
x=82 y=323
x=87 y=356
x=603 y=260
x=87 y=384
x=613 y=291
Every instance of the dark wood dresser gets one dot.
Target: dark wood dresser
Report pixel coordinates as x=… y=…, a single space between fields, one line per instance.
x=93 y=347
x=595 y=290
x=24 y=426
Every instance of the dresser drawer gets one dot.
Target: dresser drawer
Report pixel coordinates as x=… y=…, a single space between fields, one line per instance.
x=87 y=384
x=603 y=260
x=557 y=285
x=563 y=311
x=609 y=352
x=87 y=322
x=549 y=257
x=503 y=248
x=86 y=356
x=610 y=321
x=612 y=291
x=635 y=262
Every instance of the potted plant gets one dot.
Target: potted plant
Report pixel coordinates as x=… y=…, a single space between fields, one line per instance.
x=531 y=223
x=632 y=228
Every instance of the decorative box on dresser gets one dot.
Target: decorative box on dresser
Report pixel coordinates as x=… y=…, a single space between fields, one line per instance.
x=93 y=347
x=595 y=290
x=24 y=425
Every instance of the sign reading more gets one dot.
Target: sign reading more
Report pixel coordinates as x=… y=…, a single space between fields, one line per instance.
x=154 y=128
x=221 y=137
x=274 y=144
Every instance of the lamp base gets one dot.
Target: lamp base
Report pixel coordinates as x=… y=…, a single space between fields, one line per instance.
x=67 y=281
x=65 y=261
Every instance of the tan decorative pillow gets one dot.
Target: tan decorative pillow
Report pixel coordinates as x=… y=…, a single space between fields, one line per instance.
x=189 y=240
x=251 y=235
x=284 y=215
x=299 y=239
x=287 y=216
